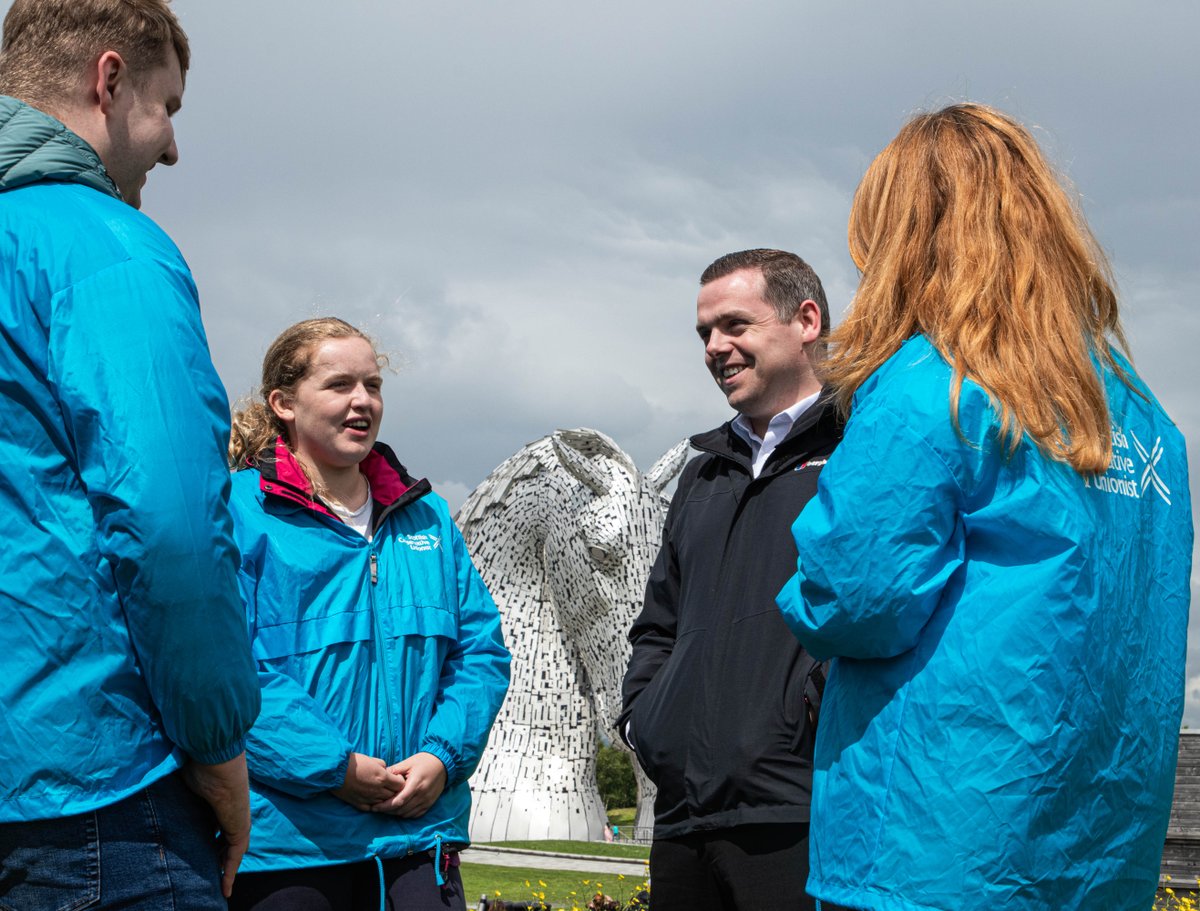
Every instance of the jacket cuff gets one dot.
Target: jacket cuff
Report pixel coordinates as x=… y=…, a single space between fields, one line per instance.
x=624 y=725
x=449 y=760
x=339 y=773
x=626 y=733
x=216 y=757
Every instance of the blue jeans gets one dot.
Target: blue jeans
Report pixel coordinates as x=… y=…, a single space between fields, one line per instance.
x=153 y=851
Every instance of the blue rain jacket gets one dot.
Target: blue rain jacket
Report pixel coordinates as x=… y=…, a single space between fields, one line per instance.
x=122 y=643
x=1001 y=719
x=386 y=647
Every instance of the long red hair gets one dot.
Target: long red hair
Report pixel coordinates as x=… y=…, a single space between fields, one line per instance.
x=963 y=233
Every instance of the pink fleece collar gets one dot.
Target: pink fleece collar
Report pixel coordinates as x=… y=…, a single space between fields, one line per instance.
x=387 y=485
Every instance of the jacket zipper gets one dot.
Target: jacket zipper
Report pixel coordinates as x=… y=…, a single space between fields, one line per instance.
x=381 y=658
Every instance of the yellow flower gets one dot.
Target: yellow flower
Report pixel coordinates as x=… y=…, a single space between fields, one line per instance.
x=540 y=883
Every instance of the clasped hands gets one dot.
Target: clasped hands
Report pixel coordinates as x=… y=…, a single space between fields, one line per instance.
x=406 y=789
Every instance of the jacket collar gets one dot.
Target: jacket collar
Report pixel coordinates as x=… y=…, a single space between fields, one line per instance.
x=282 y=476
x=819 y=423
x=34 y=147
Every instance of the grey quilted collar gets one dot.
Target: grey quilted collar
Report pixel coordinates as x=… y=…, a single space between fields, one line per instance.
x=35 y=147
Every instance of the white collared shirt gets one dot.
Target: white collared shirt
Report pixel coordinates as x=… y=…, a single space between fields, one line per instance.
x=780 y=426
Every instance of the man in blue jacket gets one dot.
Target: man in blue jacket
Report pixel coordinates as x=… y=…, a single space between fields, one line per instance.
x=127 y=674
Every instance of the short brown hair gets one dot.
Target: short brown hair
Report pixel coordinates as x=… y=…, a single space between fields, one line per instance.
x=789 y=281
x=49 y=43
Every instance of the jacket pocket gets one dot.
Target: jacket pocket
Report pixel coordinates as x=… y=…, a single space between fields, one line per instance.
x=660 y=721
x=311 y=634
x=806 y=687
x=427 y=621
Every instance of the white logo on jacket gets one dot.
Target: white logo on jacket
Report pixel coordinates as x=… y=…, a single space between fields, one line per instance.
x=1122 y=477
x=1151 y=459
x=420 y=542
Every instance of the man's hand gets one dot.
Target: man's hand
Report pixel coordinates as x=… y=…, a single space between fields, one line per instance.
x=368 y=781
x=424 y=781
x=226 y=788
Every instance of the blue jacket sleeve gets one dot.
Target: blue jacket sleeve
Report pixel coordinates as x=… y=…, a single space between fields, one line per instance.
x=878 y=543
x=148 y=417
x=294 y=746
x=474 y=677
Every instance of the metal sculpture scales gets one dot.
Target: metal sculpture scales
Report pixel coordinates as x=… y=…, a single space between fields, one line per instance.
x=564 y=533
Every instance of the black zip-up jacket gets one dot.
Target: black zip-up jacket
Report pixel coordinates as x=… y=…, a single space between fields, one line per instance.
x=716 y=684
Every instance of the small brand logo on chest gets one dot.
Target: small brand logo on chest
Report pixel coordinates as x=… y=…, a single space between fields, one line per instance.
x=420 y=542
x=811 y=463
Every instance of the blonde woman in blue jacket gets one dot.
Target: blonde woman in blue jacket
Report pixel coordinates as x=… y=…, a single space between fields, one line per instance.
x=998 y=557
x=379 y=649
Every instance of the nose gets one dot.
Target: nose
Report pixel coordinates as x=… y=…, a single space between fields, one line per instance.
x=171 y=155
x=716 y=344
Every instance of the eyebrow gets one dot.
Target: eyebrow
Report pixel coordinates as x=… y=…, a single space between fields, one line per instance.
x=725 y=317
x=346 y=375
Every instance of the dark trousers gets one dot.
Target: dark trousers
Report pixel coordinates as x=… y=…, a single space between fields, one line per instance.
x=745 y=868
x=154 y=850
x=409 y=885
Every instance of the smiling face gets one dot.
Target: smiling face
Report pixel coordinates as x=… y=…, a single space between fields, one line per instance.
x=761 y=364
x=140 y=133
x=333 y=414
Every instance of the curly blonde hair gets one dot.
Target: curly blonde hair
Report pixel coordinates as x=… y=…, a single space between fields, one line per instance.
x=962 y=232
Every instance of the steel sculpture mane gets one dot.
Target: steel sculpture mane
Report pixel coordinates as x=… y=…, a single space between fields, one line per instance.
x=564 y=533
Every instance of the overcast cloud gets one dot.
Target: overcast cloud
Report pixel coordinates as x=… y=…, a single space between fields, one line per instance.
x=517 y=199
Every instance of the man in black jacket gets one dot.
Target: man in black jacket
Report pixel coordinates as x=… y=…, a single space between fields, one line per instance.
x=719 y=699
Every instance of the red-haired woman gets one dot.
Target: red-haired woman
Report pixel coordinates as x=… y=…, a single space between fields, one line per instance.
x=998 y=556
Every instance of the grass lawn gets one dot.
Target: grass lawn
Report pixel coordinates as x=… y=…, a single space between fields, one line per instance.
x=625 y=816
x=563 y=889
x=596 y=848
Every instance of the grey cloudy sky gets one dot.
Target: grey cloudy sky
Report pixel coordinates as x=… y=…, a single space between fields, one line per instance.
x=517 y=199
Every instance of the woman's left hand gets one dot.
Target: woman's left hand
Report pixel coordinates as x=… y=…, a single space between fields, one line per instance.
x=424 y=781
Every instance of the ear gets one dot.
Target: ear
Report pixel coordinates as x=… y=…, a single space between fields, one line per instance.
x=667 y=466
x=111 y=77
x=808 y=315
x=580 y=466
x=282 y=405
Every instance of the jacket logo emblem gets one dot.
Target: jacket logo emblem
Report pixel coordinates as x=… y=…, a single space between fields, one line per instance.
x=420 y=542
x=811 y=463
x=1151 y=459
x=1122 y=477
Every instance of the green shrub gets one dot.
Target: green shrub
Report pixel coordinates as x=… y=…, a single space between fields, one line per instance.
x=614 y=775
